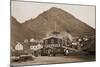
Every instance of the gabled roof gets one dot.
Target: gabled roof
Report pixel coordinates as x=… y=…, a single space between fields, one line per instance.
x=48 y=37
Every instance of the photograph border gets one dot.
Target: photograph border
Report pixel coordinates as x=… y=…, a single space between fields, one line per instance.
x=51 y=3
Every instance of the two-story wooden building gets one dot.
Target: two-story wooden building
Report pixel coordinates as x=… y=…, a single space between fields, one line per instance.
x=53 y=45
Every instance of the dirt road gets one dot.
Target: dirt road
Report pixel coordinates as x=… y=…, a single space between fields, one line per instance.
x=57 y=59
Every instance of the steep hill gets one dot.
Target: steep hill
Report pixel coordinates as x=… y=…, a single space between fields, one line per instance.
x=63 y=21
x=18 y=33
x=54 y=19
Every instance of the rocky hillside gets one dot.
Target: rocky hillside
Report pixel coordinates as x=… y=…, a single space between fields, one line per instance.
x=54 y=19
x=64 y=21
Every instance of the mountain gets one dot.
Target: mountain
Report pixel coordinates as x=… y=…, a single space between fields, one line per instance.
x=18 y=33
x=65 y=22
x=54 y=19
x=15 y=29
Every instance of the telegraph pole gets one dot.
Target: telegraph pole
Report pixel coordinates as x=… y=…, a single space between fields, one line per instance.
x=55 y=27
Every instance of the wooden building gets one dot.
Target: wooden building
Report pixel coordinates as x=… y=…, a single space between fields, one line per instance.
x=52 y=41
x=52 y=45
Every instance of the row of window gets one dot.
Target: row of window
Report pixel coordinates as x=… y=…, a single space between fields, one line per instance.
x=52 y=41
x=52 y=45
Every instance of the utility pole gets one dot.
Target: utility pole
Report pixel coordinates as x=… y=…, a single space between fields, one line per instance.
x=55 y=26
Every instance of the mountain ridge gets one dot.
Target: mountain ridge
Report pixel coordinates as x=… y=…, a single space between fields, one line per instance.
x=44 y=24
x=59 y=16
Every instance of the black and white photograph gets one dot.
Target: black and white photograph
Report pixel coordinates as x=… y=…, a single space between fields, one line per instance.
x=51 y=33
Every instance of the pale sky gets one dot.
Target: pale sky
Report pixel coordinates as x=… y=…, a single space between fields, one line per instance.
x=23 y=11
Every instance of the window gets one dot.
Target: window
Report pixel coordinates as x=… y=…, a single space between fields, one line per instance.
x=31 y=47
x=52 y=41
x=46 y=42
x=58 y=41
